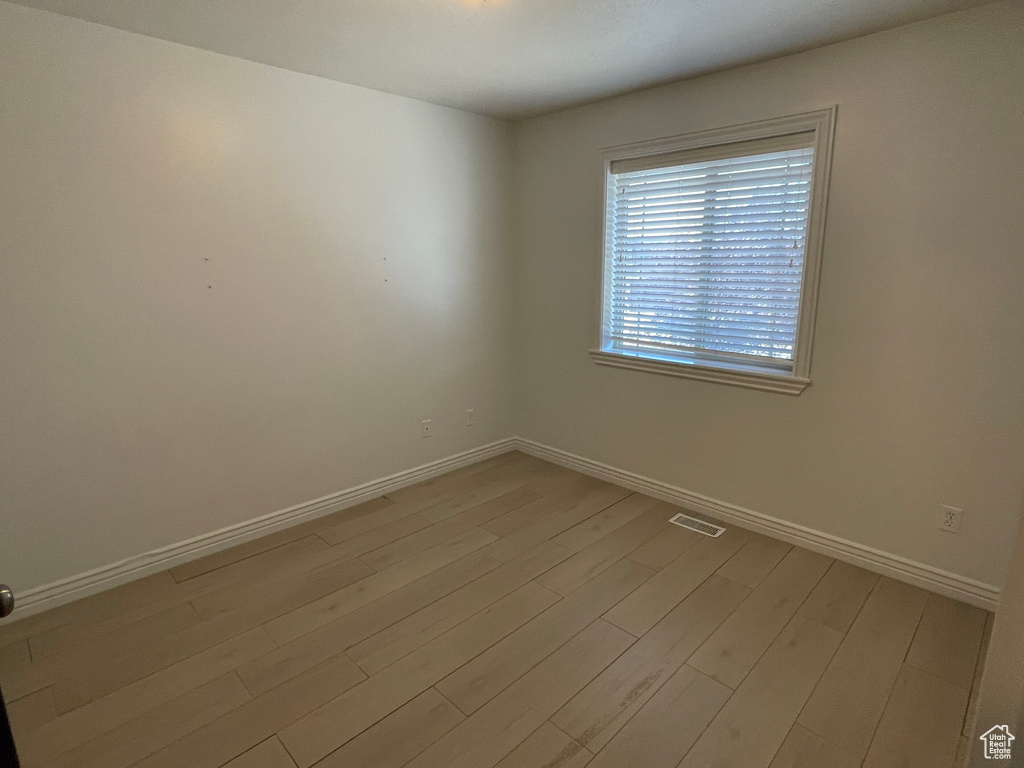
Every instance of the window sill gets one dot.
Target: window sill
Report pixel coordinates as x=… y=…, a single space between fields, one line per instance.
x=767 y=382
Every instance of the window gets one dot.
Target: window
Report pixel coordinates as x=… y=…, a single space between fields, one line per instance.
x=712 y=252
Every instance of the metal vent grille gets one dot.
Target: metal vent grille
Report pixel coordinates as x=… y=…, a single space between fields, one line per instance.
x=714 y=531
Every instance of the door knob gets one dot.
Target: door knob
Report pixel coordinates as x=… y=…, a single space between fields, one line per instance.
x=6 y=601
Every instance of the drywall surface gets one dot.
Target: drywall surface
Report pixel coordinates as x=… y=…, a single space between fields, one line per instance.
x=227 y=289
x=917 y=397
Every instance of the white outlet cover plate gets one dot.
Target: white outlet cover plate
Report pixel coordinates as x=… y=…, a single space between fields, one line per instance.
x=958 y=513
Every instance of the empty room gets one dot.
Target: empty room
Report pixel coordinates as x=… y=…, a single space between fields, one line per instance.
x=511 y=384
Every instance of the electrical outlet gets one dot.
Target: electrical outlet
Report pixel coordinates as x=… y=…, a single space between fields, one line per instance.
x=949 y=518
x=425 y=428
x=469 y=417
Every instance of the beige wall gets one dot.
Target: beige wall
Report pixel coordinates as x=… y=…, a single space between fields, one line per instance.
x=918 y=372
x=355 y=243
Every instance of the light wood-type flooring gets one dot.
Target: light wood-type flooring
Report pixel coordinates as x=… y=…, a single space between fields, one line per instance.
x=510 y=614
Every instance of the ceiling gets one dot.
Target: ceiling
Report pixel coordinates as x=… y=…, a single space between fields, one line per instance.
x=506 y=58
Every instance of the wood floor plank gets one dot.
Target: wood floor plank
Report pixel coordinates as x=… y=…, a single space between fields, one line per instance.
x=606 y=551
x=501 y=725
x=666 y=546
x=557 y=479
x=484 y=486
x=268 y=754
x=430 y=490
x=477 y=516
x=570 y=490
x=452 y=507
x=319 y=612
x=147 y=733
x=522 y=470
x=948 y=640
x=848 y=702
x=979 y=669
x=77 y=689
x=600 y=710
x=346 y=530
x=734 y=648
x=253 y=567
x=921 y=724
x=77 y=634
x=670 y=586
x=752 y=725
x=90 y=610
x=15 y=655
x=110 y=644
x=559 y=516
x=89 y=683
x=173 y=619
x=245 y=726
x=318 y=570
x=400 y=736
x=495 y=735
x=963 y=753
x=226 y=557
x=322 y=580
x=435 y=487
x=18 y=629
x=109 y=712
x=95 y=652
x=803 y=749
x=547 y=747
x=456 y=487
x=593 y=528
x=663 y=731
x=476 y=683
x=380 y=537
x=839 y=596
x=755 y=560
x=279 y=666
x=156 y=626
x=322 y=731
x=402 y=637
x=27 y=679
x=30 y=713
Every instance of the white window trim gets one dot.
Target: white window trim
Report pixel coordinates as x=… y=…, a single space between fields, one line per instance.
x=822 y=124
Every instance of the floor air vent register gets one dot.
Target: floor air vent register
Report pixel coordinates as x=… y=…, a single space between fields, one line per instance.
x=684 y=521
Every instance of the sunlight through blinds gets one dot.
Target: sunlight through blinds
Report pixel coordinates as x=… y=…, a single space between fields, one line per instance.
x=706 y=252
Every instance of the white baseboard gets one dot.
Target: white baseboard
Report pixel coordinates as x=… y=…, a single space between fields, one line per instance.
x=75 y=587
x=943 y=582
x=950 y=584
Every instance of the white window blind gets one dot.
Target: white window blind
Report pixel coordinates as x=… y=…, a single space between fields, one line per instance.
x=705 y=252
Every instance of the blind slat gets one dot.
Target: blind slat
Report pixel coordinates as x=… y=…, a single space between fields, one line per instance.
x=707 y=256
x=734 y=335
